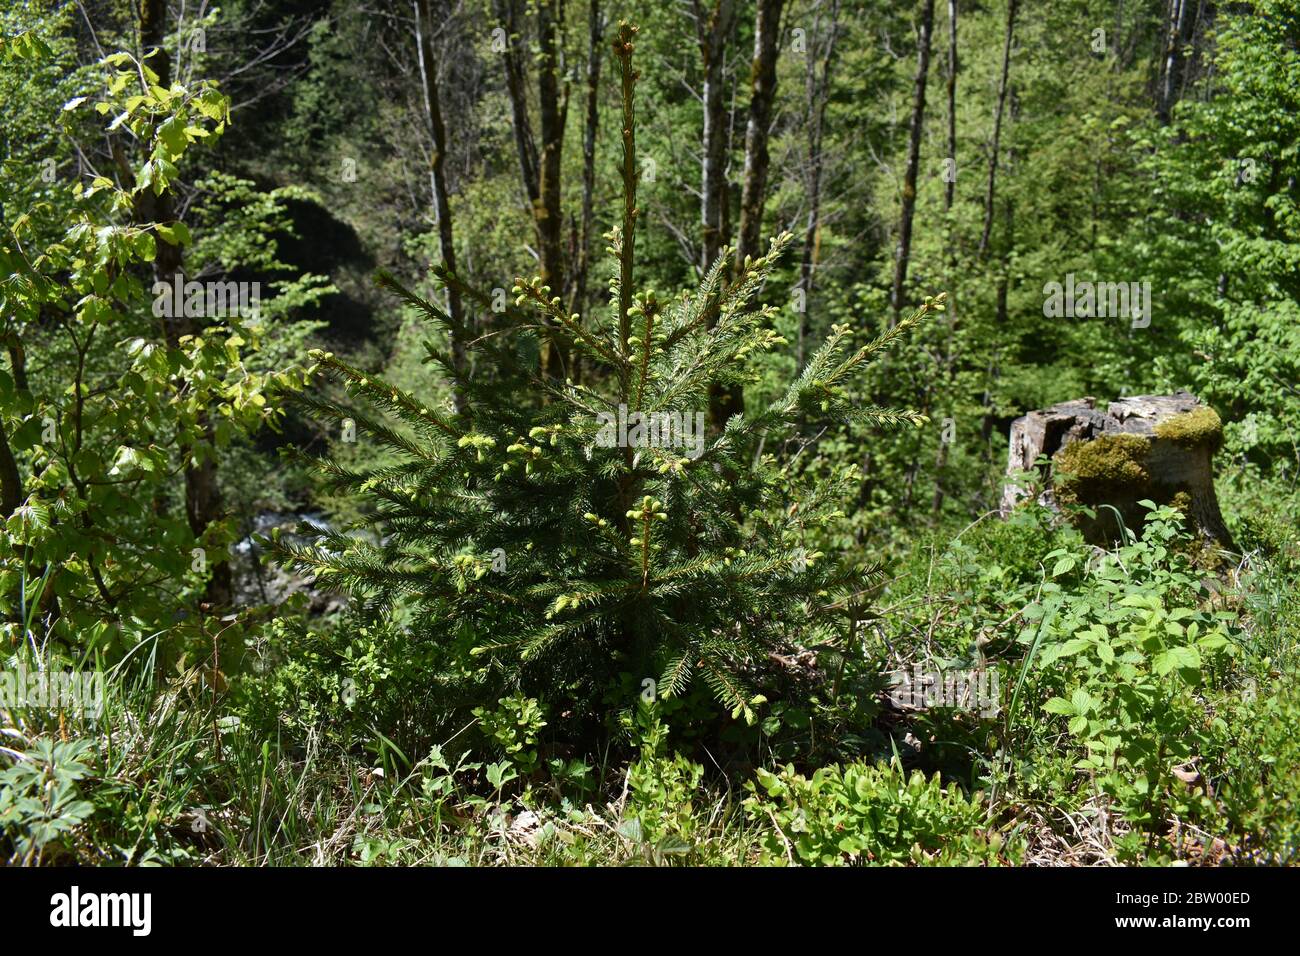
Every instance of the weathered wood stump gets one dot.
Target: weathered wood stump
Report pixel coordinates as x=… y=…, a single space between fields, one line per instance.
x=1157 y=447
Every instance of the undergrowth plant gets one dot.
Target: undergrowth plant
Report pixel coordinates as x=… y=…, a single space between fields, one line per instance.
x=1131 y=657
x=860 y=813
x=40 y=800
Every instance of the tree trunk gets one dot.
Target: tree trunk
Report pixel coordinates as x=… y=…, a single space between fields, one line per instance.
x=753 y=197
x=438 y=185
x=818 y=95
x=203 y=501
x=11 y=481
x=540 y=172
x=904 y=251
x=950 y=192
x=990 y=192
x=713 y=31
x=596 y=30
x=726 y=402
x=1169 y=66
x=550 y=220
x=943 y=451
x=516 y=90
x=1157 y=447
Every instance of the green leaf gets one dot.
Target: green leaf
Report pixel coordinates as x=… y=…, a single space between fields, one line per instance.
x=1176 y=657
x=145 y=246
x=176 y=233
x=172 y=135
x=1073 y=646
x=211 y=104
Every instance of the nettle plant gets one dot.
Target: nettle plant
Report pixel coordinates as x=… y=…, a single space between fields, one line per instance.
x=1130 y=660
x=570 y=537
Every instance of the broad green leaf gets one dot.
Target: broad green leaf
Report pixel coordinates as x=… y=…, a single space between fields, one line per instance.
x=1176 y=657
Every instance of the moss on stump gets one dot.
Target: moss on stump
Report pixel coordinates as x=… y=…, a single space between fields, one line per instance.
x=1088 y=472
x=1201 y=427
x=1157 y=447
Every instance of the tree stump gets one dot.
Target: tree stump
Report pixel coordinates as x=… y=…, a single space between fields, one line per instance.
x=1157 y=447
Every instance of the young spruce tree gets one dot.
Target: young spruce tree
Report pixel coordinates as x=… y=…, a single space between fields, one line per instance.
x=567 y=538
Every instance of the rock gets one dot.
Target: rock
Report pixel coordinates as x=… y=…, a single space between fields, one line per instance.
x=1157 y=447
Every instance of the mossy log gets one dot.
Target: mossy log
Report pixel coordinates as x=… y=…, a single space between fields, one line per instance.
x=1157 y=447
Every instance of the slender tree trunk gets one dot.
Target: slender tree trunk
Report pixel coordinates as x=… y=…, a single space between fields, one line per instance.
x=904 y=251
x=203 y=500
x=516 y=75
x=990 y=191
x=1002 y=317
x=438 y=186
x=623 y=48
x=950 y=192
x=11 y=484
x=540 y=172
x=552 y=112
x=1002 y=314
x=726 y=402
x=713 y=30
x=1193 y=63
x=818 y=94
x=733 y=116
x=1175 y=36
x=950 y=358
x=11 y=480
x=596 y=30
x=753 y=197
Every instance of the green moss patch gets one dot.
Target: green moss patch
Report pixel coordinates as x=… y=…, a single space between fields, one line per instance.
x=1090 y=471
x=1201 y=427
